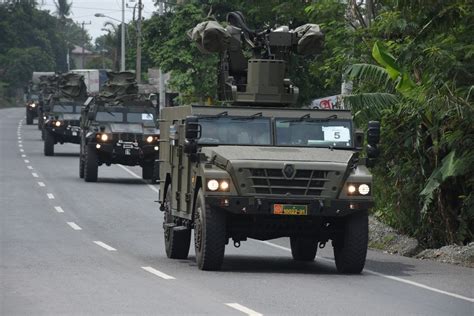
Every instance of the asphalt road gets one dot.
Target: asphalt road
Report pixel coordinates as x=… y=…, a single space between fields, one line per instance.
x=70 y=247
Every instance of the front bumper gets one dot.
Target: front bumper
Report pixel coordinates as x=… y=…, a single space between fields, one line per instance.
x=126 y=152
x=66 y=134
x=264 y=205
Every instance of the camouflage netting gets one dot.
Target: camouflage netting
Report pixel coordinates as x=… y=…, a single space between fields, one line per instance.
x=310 y=39
x=49 y=84
x=120 y=86
x=72 y=86
x=210 y=37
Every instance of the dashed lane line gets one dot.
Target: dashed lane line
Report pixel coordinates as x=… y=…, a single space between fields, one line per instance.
x=20 y=145
x=23 y=156
x=74 y=226
x=22 y=150
x=35 y=175
x=158 y=273
x=50 y=196
x=59 y=209
x=104 y=245
x=27 y=161
x=138 y=177
x=243 y=309
x=386 y=276
x=41 y=184
x=29 y=167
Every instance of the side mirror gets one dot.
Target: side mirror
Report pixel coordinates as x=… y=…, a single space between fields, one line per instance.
x=373 y=139
x=90 y=116
x=373 y=133
x=192 y=129
x=359 y=139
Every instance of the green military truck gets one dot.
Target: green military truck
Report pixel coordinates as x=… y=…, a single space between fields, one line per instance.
x=33 y=97
x=259 y=168
x=62 y=121
x=119 y=127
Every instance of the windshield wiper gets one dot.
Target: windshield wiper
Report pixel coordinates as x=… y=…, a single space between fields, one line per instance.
x=225 y=113
x=250 y=117
x=307 y=118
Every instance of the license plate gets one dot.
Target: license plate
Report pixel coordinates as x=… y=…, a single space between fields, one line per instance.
x=74 y=133
x=290 y=209
x=127 y=152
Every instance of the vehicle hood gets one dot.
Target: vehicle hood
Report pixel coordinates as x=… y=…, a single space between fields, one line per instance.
x=71 y=117
x=295 y=154
x=126 y=128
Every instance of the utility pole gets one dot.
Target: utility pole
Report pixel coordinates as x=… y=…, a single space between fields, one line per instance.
x=83 y=42
x=139 y=42
x=162 y=89
x=122 y=42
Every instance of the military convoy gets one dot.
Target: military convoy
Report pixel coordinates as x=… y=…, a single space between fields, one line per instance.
x=258 y=168
x=119 y=127
x=62 y=119
x=33 y=97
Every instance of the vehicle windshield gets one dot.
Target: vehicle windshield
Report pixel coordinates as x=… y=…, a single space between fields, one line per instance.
x=313 y=132
x=34 y=97
x=61 y=108
x=235 y=130
x=109 y=117
x=146 y=119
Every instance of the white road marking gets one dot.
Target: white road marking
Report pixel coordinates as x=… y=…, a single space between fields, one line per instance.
x=243 y=309
x=59 y=209
x=50 y=196
x=41 y=184
x=19 y=142
x=105 y=246
x=19 y=138
x=20 y=145
x=386 y=276
x=138 y=177
x=22 y=150
x=23 y=156
x=27 y=161
x=158 y=273
x=35 y=175
x=74 y=226
x=29 y=167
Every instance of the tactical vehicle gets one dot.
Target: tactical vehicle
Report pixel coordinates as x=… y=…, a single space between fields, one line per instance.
x=119 y=127
x=62 y=121
x=260 y=168
x=33 y=100
x=48 y=86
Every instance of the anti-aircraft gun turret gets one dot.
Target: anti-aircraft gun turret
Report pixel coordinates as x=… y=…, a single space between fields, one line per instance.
x=119 y=127
x=61 y=124
x=261 y=79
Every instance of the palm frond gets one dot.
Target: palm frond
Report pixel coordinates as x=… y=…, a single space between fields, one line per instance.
x=368 y=72
x=370 y=102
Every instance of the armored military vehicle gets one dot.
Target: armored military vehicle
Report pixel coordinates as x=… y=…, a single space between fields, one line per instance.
x=259 y=168
x=62 y=122
x=119 y=127
x=48 y=86
x=33 y=100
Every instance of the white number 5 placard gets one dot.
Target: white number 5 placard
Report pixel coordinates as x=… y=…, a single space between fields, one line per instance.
x=336 y=134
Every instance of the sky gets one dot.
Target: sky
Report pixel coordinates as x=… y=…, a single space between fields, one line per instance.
x=84 y=10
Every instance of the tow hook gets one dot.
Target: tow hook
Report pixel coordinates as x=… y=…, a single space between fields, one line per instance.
x=236 y=243
x=322 y=245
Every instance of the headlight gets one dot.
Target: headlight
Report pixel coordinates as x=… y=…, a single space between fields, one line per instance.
x=222 y=185
x=355 y=189
x=104 y=137
x=364 y=189
x=57 y=123
x=149 y=139
x=33 y=105
x=213 y=185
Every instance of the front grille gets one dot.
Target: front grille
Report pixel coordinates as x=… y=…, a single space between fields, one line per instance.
x=73 y=122
x=272 y=181
x=128 y=137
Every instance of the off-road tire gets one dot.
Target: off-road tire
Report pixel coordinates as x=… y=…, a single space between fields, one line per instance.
x=91 y=166
x=209 y=235
x=81 y=163
x=29 y=117
x=48 y=144
x=40 y=121
x=156 y=172
x=350 y=256
x=176 y=243
x=303 y=249
x=147 y=170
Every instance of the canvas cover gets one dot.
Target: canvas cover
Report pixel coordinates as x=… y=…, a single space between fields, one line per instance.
x=119 y=86
x=310 y=39
x=72 y=86
x=210 y=37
